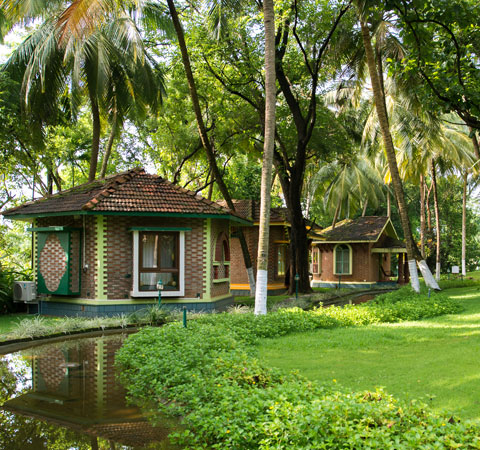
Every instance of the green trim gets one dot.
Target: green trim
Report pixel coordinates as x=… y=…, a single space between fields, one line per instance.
x=138 y=301
x=207 y=266
x=51 y=229
x=64 y=284
x=34 y=254
x=100 y=285
x=159 y=229
x=99 y=375
x=221 y=280
x=219 y=263
x=196 y=300
x=96 y=302
x=131 y=214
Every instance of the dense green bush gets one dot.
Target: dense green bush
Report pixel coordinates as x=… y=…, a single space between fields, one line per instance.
x=208 y=375
x=7 y=277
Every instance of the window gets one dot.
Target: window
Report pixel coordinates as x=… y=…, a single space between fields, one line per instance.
x=342 y=259
x=281 y=260
x=221 y=265
x=158 y=255
x=315 y=268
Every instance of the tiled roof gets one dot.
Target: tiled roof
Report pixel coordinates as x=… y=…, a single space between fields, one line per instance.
x=250 y=209
x=362 y=229
x=133 y=191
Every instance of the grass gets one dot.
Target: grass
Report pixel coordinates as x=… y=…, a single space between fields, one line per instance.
x=434 y=359
x=10 y=321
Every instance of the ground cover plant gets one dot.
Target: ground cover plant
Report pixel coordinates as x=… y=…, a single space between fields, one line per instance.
x=209 y=375
x=435 y=359
x=23 y=326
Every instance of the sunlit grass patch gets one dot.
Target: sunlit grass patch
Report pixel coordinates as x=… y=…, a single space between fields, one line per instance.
x=435 y=359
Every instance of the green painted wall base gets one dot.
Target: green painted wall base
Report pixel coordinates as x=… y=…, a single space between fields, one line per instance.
x=93 y=308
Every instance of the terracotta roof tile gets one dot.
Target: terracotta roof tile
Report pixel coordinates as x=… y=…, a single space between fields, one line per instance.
x=129 y=192
x=362 y=229
x=250 y=209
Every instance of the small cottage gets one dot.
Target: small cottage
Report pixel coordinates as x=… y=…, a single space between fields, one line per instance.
x=278 y=258
x=102 y=248
x=358 y=253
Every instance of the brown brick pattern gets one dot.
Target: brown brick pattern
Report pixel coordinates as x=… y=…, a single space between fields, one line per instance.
x=75 y=263
x=238 y=272
x=365 y=265
x=52 y=262
x=88 y=243
x=119 y=253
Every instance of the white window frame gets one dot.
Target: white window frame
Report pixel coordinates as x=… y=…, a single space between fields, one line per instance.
x=181 y=269
x=350 y=256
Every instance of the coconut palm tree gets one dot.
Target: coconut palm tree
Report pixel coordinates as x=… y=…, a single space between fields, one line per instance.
x=110 y=66
x=269 y=142
x=82 y=18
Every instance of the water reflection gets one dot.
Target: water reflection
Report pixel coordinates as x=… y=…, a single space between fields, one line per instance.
x=65 y=396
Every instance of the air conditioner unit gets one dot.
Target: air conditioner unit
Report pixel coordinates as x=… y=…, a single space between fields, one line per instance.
x=24 y=291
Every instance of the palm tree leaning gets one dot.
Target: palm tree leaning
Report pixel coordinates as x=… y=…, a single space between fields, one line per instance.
x=413 y=254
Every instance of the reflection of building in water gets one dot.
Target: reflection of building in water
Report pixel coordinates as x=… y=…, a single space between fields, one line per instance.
x=74 y=386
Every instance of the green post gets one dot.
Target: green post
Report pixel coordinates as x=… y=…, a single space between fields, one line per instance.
x=297 y=277
x=339 y=281
x=184 y=317
x=160 y=289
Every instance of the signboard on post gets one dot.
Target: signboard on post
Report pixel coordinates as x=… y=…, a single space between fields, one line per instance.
x=455 y=269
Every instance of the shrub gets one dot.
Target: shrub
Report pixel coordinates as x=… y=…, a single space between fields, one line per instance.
x=207 y=374
x=458 y=283
x=7 y=277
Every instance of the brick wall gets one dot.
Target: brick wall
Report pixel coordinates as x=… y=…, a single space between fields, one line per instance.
x=364 y=264
x=75 y=262
x=52 y=262
x=119 y=253
x=238 y=270
x=87 y=274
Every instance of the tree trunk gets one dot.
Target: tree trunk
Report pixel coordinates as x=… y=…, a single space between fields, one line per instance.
x=96 y=129
x=476 y=146
x=437 y=218
x=389 y=205
x=269 y=142
x=206 y=144
x=335 y=216
x=413 y=253
x=422 y=215
x=464 y=223
x=365 y=207
x=108 y=149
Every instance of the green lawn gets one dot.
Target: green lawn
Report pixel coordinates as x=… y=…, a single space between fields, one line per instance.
x=436 y=359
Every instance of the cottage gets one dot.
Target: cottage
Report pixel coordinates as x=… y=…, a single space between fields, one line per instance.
x=278 y=258
x=101 y=248
x=357 y=253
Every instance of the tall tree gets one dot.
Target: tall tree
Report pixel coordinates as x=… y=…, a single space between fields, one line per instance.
x=109 y=65
x=413 y=253
x=305 y=39
x=268 y=145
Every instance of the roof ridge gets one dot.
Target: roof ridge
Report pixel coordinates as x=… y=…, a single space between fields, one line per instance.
x=113 y=184
x=74 y=188
x=199 y=197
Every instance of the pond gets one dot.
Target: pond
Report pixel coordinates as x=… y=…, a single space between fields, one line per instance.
x=66 y=396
